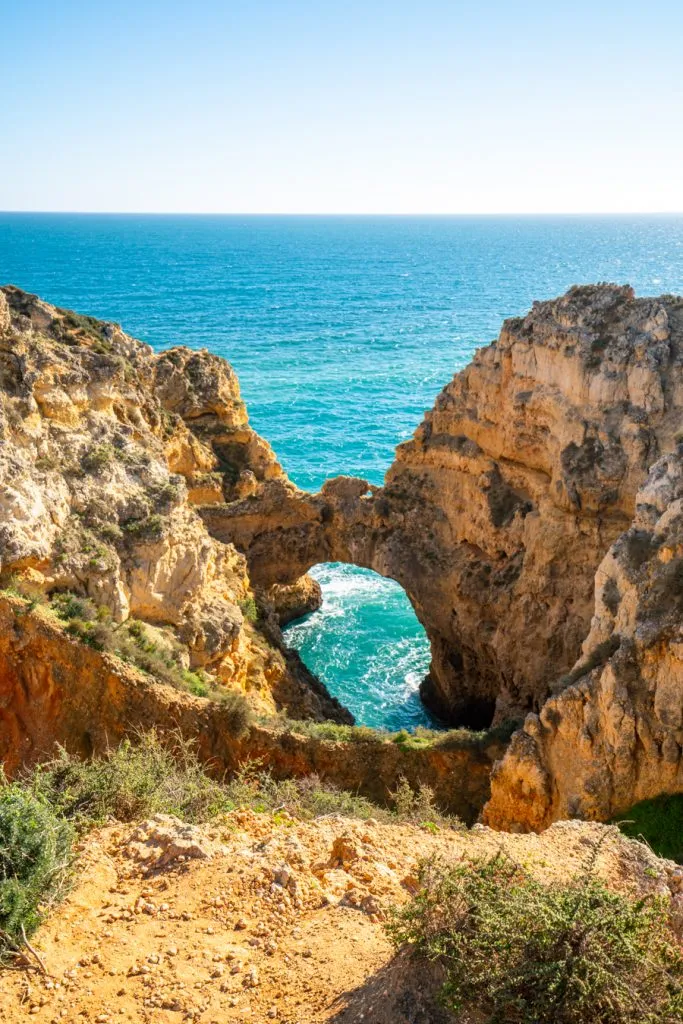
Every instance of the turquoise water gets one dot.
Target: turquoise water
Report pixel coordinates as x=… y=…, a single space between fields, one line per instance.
x=342 y=330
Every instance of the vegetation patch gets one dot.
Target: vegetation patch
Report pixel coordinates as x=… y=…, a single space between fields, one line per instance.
x=520 y=951
x=133 y=781
x=42 y=813
x=73 y=328
x=249 y=609
x=133 y=642
x=659 y=823
x=419 y=739
x=152 y=774
x=149 y=528
x=35 y=856
x=99 y=458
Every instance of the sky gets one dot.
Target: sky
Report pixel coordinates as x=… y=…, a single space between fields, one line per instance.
x=360 y=106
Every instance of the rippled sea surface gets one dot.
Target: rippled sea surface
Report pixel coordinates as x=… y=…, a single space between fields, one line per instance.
x=342 y=330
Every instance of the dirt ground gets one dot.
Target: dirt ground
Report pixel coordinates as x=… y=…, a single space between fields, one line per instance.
x=264 y=918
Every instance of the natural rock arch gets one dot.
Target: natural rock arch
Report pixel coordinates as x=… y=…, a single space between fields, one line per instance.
x=496 y=515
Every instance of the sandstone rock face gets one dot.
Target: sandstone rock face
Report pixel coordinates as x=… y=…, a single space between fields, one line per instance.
x=54 y=689
x=520 y=520
x=614 y=734
x=294 y=600
x=104 y=448
x=496 y=515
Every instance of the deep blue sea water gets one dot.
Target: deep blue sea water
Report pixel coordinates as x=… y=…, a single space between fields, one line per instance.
x=342 y=331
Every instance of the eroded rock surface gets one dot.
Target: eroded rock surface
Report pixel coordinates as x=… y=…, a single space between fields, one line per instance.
x=613 y=736
x=105 y=450
x=496 y=515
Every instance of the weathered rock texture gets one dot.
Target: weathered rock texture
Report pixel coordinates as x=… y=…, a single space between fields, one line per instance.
x=54 y=689
x=105 y=448
x=135 y=479
x=614 y=735
x=496 y=515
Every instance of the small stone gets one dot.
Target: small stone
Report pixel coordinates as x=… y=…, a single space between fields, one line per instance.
x=252 y=980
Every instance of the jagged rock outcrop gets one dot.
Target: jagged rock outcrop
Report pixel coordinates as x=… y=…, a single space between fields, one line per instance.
x=496 y=515
x=613 y=736
x=294 y=600
x=135 y=480
x=55 y=689
x=105 y=448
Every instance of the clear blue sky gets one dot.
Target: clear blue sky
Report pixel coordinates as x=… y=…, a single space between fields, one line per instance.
x=357 y=106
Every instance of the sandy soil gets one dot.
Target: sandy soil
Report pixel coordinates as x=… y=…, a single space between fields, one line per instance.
x=266 y=918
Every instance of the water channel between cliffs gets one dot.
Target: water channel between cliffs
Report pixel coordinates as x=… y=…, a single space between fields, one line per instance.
x=366 y=644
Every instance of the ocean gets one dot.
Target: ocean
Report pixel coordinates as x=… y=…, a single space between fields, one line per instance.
x=342 y=331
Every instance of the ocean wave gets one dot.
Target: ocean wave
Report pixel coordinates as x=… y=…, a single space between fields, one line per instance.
x=367 y=646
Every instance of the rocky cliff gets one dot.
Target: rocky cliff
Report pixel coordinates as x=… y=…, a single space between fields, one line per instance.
x=613 y=734
x=134 y=480
x=496 y=515
x=106 y=449
x=56 y=689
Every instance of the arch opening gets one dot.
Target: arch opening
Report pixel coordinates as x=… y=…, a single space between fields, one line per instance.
x=367 y=645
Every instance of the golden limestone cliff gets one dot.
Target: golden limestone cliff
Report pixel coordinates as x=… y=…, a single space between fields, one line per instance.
x=520 y=519
x=106 y=448
x=496 y=515
x=613 y=734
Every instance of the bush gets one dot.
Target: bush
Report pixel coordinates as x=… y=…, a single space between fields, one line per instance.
x=149 y=528
x=415 y=805
x=98 y=458
x=133 y=781
x=525 y=952
x=35 y=854
x=306 y=797
x=148 y=777
x=237 y=712
x=249 y=609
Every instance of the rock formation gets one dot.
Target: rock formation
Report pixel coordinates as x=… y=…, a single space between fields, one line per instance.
x=55 y=689
x=613 y=735
x=105 y=450
x=496 y=515
x=134 y=479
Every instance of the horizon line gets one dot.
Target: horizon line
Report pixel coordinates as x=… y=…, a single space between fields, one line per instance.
x=345 y=213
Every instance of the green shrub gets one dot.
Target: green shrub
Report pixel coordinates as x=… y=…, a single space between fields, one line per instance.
x=418 y=739
x=415 y=805
x=659 y=823
x=249 y=609
x=147 y=776
x=35 y=854
x=237 y=712
x=130 y=782
x=149 y=528
x=306 y=797
x=525 y=952
x=98 y=458
x=330 y=731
